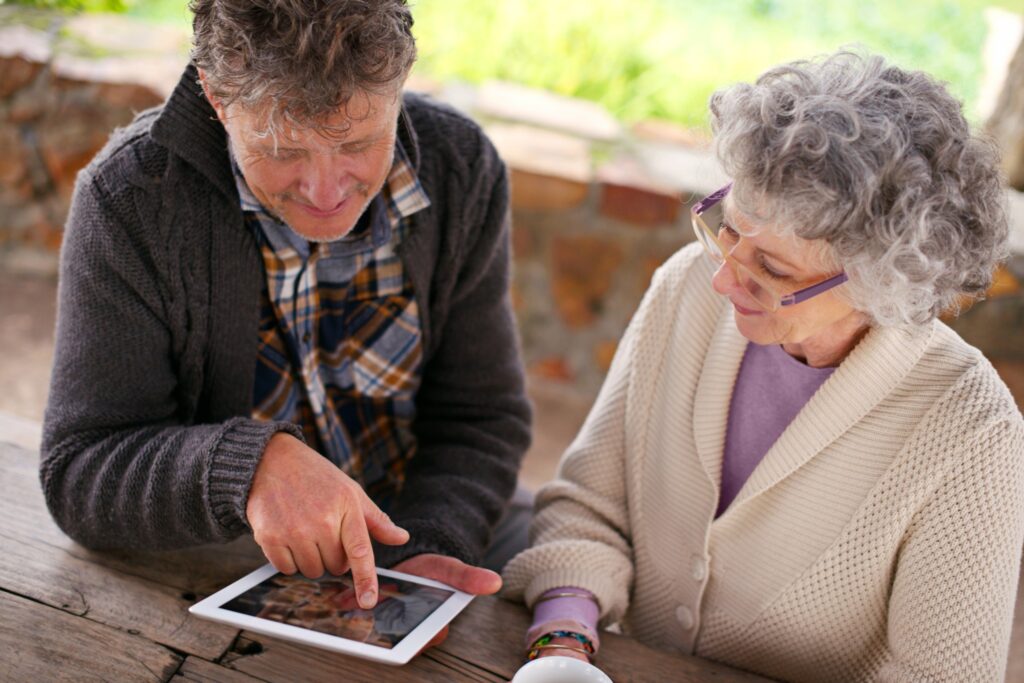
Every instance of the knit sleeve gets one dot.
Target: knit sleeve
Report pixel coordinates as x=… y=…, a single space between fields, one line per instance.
x=472 y=416
x=581 y=534
x=952 y=600
x=121 y=467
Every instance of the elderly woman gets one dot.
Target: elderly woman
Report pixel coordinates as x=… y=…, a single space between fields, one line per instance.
x=793 y=466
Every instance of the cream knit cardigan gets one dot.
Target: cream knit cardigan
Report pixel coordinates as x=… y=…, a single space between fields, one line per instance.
x=879 y=538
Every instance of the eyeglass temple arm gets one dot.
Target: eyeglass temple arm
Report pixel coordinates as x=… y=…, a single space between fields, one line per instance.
x=712 y=199
x=813 y=290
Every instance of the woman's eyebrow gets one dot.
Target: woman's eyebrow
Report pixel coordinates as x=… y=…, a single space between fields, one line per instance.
x=729 y=218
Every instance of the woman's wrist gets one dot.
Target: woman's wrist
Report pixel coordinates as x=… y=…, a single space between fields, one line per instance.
x=555 y=610
x=567 y=641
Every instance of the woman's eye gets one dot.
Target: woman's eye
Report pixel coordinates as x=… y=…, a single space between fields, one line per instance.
x=771 y=273
x=726 y=232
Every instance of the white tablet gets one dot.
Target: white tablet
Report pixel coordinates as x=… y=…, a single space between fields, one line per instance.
x=323 y=612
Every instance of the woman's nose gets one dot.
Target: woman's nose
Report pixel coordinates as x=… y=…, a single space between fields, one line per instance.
x=724 y=281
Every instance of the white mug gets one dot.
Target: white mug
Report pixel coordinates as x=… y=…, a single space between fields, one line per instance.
x=560 y=670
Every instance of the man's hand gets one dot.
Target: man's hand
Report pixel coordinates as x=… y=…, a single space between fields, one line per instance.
x=308 y=515
x=455 y=573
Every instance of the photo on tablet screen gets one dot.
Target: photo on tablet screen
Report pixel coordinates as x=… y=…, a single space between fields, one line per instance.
x=328 y=605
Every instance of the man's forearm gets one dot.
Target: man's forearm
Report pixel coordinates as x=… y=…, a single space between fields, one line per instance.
x=152 y=487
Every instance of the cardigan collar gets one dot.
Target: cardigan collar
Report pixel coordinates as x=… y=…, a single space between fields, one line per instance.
x=873 y=369
x=188 y=127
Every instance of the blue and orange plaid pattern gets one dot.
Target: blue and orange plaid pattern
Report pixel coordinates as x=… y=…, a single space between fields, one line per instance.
x=340 y=344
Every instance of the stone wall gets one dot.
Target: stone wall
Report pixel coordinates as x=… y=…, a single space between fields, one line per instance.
x=60 y=96
x=596 y=206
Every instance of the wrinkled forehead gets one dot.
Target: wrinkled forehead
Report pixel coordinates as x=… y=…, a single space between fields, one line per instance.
x=363 y=116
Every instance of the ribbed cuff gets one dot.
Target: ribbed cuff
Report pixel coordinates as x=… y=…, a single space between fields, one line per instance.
x=424 y=537
x=233 y=466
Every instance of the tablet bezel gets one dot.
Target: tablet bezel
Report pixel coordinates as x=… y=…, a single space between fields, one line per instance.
x=401 y=653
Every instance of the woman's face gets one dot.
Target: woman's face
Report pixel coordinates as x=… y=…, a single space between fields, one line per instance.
x=787 y=264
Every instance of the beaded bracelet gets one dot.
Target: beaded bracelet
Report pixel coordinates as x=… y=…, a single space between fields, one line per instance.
x=544 y=643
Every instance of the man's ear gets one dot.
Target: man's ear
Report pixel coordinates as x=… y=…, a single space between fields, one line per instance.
x=214 y=102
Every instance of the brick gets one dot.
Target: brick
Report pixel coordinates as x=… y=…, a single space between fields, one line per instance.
x=629 y=194
x=553 y=368
x=523 y=246
x=518 y=301
x=604 y=352
x=16 y=73
x=638 y=206
x=14 y=164
x=1004 y=283
x=1012 y=372
x=583 y=268
x=538 y=192
x=66 y=149
x=550 y=171
x=127 y=96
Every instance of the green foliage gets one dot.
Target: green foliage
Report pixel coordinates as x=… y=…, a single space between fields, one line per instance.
x=663 y=58
x=75 y=5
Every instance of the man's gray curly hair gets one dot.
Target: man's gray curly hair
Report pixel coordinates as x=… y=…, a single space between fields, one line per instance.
x=301 y=59
x=881 y=165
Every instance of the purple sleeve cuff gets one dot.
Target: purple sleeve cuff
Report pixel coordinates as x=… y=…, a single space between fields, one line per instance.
x=579 y=615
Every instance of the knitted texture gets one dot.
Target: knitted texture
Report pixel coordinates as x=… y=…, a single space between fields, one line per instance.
x=147 y=437
x=879 y=538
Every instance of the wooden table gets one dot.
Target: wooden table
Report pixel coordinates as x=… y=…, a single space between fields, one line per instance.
x=70 y=614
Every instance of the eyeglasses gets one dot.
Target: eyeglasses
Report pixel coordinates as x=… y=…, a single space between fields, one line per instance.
x=720 y=242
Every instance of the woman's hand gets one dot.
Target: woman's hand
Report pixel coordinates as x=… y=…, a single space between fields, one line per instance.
x=455 y=573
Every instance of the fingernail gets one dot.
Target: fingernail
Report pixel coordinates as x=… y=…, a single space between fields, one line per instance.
x=368 y=600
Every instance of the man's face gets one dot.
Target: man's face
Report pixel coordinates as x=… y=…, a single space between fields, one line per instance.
x=315 y=180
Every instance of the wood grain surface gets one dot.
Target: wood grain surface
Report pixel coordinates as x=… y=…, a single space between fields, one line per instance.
x=71 y=614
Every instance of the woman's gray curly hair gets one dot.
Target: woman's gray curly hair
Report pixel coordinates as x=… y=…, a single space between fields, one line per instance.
x=881 y=165
x=301 y=59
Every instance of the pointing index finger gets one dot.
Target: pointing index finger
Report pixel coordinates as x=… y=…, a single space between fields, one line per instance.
x=356 y=539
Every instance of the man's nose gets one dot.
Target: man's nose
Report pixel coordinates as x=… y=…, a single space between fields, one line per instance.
x=323 y=183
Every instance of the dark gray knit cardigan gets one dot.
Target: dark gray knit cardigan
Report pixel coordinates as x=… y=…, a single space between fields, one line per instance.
x=147 y=439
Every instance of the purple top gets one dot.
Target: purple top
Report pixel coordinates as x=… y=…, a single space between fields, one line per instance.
x=770 y=390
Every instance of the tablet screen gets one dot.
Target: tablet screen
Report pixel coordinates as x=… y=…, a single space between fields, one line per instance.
x=328 y=605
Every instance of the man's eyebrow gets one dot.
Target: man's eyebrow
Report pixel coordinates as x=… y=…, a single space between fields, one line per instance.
x=353 y=142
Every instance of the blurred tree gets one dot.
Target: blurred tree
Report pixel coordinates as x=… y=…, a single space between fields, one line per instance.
x=1007 y=121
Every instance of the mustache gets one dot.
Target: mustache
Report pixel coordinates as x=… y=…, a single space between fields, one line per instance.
x=361 y=190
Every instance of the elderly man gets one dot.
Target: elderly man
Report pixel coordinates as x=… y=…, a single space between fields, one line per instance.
x=284 y=310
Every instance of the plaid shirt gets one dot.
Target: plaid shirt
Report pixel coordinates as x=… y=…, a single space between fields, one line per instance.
x=339 y=337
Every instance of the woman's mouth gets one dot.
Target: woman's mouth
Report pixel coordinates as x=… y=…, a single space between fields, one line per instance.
x=742 y=310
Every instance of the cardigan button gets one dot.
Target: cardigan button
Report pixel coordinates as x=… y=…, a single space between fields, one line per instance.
x=684 y=615
x=698 y=568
